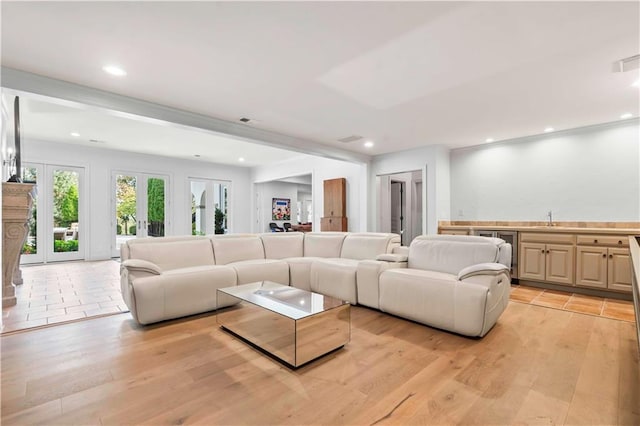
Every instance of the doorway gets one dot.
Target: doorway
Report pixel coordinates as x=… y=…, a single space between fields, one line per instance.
x=57 y=224
x=140 y=203
x=400 y=204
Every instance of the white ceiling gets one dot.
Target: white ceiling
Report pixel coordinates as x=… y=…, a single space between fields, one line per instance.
x=49 y=121
x=403 y=74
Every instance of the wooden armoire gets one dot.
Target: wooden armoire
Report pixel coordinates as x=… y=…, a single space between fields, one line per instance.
x=335 y=205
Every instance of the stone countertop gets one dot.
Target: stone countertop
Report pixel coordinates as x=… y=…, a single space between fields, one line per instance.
x=541 y=228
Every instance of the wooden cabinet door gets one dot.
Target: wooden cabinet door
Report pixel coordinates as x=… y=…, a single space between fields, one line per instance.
x=532 y=261
x=333 y=224
x=560 y=263
x=619 y=269
x=591 y=267
x=335 y=197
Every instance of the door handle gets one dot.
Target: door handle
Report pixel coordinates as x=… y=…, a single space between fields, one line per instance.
x=138 y=224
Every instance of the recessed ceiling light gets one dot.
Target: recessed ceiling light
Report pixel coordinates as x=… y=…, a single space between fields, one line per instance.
x=241 y=159
x=626 y=115
x=114 y=70
x=75 y=134
x=368 y=144
x=549 y=129
x=636 y=83
x=488 y=140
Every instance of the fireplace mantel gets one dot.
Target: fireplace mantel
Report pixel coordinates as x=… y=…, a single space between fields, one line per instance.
x=17 y=200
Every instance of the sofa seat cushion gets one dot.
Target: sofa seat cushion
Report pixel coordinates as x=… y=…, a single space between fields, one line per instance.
x=426 y=275
x=427 y=297
x=178 y=292
x=300 y=271
x=440 y=300
x=250 y=271
x=336 y=278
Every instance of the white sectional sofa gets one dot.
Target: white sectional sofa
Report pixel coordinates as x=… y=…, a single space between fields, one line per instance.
x=171 y=277
x=456 y=283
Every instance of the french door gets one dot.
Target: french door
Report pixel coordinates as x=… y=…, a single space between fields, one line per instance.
x=57 y=231
x=140 y=202
x=209 y=206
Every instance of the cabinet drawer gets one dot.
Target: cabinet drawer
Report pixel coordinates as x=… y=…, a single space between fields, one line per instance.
x=454 y=232
x=604 y=240
x=529 y=237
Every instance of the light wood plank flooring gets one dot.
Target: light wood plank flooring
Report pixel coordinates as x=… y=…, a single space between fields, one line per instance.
x=537 y=366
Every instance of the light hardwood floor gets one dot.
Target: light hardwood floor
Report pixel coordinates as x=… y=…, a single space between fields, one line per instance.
x=537 y=366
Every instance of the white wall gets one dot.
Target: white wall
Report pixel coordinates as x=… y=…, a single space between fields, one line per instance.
x=433 y=160
x=321 y=170
x=99 y=164
x=267 y=191
x=305 y=198
x=590 y=174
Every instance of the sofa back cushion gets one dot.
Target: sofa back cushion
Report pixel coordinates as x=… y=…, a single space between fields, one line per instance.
x=450 y=256
x=368 y=245
x=124 y=248
x=236 y=247
x=174 y=254
x=280 y=245
x=323 y=244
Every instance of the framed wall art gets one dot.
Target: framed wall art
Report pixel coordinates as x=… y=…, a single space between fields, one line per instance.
x=281 y=209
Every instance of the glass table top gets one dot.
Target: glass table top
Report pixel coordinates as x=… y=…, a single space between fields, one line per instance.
x=289 y=301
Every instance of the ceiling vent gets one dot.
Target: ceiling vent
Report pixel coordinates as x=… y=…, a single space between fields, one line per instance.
x=349 y=139
x=628 y=64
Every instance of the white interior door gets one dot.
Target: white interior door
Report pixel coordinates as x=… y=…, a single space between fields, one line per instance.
x=140 y=204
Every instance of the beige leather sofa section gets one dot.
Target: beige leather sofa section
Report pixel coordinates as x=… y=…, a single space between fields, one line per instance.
x=171 y=277
x=456 y=283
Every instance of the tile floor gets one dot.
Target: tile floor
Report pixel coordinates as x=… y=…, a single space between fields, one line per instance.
x=609 y=308
x=61 y=292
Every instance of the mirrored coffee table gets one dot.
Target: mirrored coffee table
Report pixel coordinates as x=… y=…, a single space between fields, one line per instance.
x=293 y=325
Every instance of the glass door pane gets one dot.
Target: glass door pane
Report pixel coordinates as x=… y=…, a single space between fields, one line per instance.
x=139 y=207
x=221 y=205
x=156 y=204
x=31 y=253
x=126 y=208
x=199 y=208
x=65 y=214
x=209 y=206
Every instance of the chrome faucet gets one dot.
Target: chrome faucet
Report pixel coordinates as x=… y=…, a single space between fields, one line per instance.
x=550 y=216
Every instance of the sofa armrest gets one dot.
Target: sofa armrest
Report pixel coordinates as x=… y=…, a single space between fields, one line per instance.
x=389 y=257
x=139 y=265
x=368 y=280
x=401 y=250
x=483 y=269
